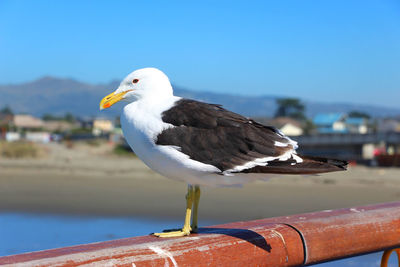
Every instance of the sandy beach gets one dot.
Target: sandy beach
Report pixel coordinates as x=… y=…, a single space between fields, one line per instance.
x=91 y=180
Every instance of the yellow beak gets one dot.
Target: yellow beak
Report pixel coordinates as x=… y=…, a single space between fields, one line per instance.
x=111 y=99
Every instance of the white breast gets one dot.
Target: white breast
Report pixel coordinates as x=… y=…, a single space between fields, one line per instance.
x=141 y=123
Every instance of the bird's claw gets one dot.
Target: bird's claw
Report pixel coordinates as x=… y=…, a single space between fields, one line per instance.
x=174 y=233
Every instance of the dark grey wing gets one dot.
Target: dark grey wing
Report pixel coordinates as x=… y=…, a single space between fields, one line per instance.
x=213 y=135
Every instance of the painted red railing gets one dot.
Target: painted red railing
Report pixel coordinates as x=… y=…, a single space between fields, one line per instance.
x=283 y=241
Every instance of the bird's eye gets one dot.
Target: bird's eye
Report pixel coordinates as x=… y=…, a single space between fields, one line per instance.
x=135 y=80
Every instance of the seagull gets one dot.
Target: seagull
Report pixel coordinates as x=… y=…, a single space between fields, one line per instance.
x=202 y=144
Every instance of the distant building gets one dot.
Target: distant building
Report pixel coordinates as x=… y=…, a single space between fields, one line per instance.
x=286 y=125
x=38 y=137
x=388 y=125
x=29 y=128
x=27 y=122
x=331 y=123
x=59 y=126
x=101 y=125
x=12 y=136
x=86 y=123
x=357 y=125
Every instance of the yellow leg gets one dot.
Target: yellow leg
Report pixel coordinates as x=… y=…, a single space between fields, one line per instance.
x=195 y=208
x=186 y=227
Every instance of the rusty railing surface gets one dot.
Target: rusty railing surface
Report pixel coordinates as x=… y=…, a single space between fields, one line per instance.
x=282 y=241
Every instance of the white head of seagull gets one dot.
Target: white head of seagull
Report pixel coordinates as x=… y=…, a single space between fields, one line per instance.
x=147 y=83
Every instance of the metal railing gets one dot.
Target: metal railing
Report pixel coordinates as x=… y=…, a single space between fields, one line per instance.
x=283 y=241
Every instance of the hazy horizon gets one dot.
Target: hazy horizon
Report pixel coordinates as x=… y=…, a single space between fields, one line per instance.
x=238 y=102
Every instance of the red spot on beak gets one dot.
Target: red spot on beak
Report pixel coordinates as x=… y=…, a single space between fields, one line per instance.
x=107 y=105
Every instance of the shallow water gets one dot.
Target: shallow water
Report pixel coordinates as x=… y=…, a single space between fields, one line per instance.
x=21 y=232
x=25 y=232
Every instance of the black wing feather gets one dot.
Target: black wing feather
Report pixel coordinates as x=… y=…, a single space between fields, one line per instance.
x=213 y=135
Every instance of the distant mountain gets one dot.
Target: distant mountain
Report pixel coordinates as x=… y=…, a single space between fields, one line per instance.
x=58 y=96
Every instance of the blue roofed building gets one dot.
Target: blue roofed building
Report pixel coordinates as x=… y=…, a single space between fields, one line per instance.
x=330 y=123
x=327 y=123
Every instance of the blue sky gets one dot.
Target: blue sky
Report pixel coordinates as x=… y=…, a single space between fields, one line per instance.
x=346 y=51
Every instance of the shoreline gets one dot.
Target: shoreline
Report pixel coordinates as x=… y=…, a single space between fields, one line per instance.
x=89 y=181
